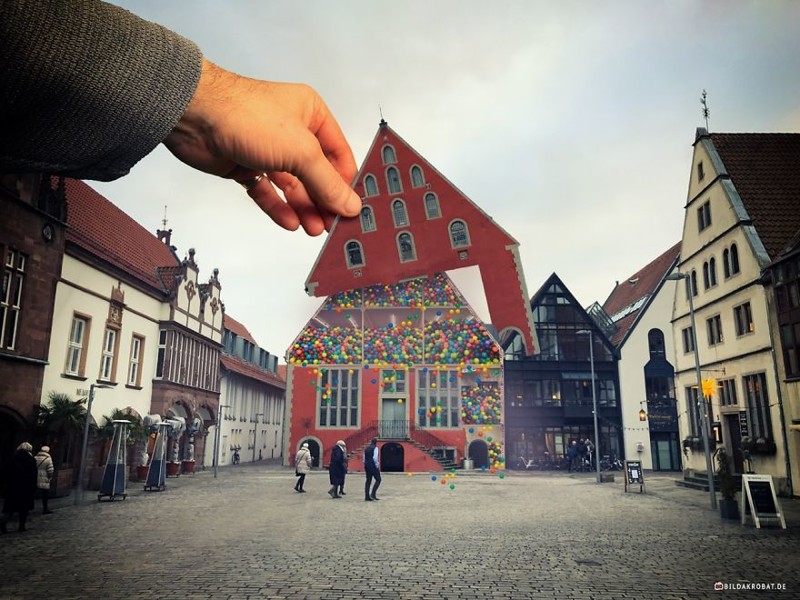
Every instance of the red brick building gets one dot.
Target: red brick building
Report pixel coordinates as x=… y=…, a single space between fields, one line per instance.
x=410 y=362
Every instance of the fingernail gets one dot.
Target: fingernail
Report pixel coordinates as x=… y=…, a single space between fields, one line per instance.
x=353 y=204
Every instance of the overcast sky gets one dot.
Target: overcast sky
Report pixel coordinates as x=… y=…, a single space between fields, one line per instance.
x=570 y=123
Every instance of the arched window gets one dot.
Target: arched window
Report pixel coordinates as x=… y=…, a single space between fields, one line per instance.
x=706 y=282
x=655 y=339
x=694 y=282
x=405 y=245
x=417 y=178
x=367 y=219
x=432 y=206
x=734 y=259
x=393 y=180
x=459 y=234
x=726 y=263
x=712 y=271
x=370 y=186
x=389 y=157
x=399 y=213
x=354 y=254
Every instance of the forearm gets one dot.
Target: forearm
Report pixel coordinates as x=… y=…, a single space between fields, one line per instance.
x=86 y=88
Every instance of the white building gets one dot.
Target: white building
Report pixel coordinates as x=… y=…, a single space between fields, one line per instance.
x=641 y=309
x=742 y=210
x=252 y=400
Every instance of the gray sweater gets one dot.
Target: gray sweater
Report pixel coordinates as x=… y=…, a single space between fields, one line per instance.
x=87 y=89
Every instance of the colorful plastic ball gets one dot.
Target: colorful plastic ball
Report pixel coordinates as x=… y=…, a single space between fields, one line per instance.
x=433 y=477
x=443 y=481
x=501 y=475
x=452 y=486
x=409 y=474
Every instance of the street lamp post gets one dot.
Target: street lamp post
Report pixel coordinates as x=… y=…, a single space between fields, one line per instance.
x=85 y=446
x=705 y=426
x=594 y=402
x=217 y=436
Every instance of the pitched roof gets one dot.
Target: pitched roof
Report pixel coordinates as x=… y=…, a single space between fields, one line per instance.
x=237 y=328
x=628 y=298
x=246 y=369
x=102 y=229
x=765 y=170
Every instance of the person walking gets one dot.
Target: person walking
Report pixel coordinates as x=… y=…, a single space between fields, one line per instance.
x=45 y=470
x=346 y=461
x=336 y=469
x=302 y=465
x=20 y=486
x=372 y=467
x=572 y=456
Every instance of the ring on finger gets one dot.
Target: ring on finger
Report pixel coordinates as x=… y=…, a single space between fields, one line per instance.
x=251 y=182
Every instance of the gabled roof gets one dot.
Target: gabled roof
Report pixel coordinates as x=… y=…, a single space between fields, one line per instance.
x=251 y=371
x=630 y=298
x=103 y=230
x=765 y=170
x=237 y=328
x=416 y=224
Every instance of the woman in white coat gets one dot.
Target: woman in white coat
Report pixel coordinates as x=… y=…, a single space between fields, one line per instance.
x=302 y=465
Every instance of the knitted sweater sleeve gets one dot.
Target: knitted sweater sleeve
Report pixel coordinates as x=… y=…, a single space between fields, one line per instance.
x=87 y=89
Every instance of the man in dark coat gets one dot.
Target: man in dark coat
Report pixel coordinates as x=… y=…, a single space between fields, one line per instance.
x=372 y=467
x=20 y=479
x=336 y=469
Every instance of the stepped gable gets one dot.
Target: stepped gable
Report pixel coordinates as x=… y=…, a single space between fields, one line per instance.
x=765 y=170
x=630 y=296
x=103 y=230
x=416 y=223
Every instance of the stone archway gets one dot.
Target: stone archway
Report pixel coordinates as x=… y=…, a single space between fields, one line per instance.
x=392 y=457
x=478 y=452
x=314 y=448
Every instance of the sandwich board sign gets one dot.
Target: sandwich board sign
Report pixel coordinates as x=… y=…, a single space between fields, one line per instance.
x=634 y=474
x=760 y=500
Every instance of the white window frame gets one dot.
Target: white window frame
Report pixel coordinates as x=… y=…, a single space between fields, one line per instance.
x=453 y=242
x=436 y=213
x=351 y=264
x=134 y=363
x=367 y=224
x=400 y=220
x=416 y=182
x=109 y=352
x=370 y=178
x=413 y=256
x=75 y=345
x=398 y=189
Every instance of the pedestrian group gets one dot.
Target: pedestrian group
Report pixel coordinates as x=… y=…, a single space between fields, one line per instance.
x=337 y=469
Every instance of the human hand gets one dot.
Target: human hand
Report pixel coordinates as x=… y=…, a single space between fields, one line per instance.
x=241 y=128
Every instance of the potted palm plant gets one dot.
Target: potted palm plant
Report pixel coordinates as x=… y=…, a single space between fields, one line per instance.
x=60 y=422
x=728 y=506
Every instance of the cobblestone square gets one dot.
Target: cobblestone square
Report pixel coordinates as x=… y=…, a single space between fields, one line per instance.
x=247 y=534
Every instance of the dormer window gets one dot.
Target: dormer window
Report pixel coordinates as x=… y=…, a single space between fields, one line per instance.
x=370 y=186
x=432 y=206
x=459 y=234
x=399 y=213
x=367 y=219
x=417 y=178
x=405 y=247
x=389 y=157
x=354 y=254
x=393 y=180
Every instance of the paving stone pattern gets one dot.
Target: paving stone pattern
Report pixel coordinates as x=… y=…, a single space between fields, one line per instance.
x=247 y=534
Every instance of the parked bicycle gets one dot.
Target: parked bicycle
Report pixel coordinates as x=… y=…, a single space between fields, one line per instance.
x=610 y=463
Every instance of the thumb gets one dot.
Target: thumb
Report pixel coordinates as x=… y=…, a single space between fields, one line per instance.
x=326 y=187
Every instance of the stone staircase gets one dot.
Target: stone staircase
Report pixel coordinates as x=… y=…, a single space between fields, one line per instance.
x=698 y=480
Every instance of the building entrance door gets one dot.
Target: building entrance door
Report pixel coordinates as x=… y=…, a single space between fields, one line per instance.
x=735 y=442
x=393 y=423
x=664 y=451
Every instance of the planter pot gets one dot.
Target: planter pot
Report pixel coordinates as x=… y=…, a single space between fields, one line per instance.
x=728 y=509
x=188 y=466
x=173 y=469
x=141 y=472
